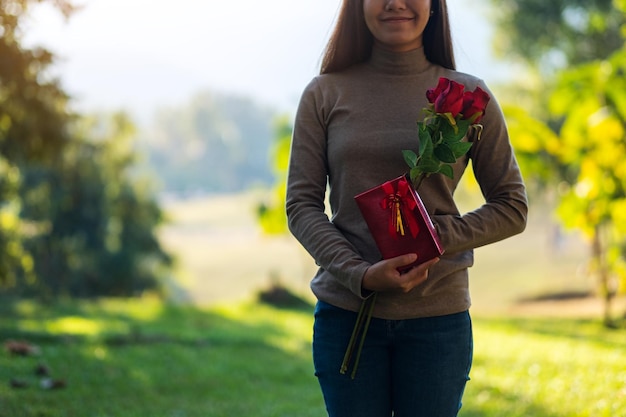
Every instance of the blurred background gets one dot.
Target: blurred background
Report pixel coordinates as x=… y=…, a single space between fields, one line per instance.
x=143 y=151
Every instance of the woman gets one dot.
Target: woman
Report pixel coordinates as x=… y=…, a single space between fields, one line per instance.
x=352 y=123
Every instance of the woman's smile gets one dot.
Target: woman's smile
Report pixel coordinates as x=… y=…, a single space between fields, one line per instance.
x=397 y=19
x=399 y=26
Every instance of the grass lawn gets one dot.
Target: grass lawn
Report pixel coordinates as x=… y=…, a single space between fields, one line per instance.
x=144 y=358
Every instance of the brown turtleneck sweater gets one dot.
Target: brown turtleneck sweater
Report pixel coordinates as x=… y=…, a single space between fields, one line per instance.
x=350 y=130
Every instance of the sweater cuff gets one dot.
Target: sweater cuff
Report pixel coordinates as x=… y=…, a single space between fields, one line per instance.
x=356 y=282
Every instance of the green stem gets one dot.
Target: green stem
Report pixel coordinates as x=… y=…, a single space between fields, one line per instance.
x=361 y=326
x=367 y=325
x=350 y=349
x=418 y=181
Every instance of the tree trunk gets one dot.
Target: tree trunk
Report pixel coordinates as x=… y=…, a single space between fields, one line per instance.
x=604 y=276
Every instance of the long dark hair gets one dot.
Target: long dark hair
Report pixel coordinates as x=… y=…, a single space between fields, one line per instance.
x=351 y=41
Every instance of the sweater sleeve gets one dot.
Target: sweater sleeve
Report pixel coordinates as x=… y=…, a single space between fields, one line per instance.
x=504 y=212
x=306 y=189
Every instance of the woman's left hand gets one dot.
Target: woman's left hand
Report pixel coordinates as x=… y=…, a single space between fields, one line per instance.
x=384 y=276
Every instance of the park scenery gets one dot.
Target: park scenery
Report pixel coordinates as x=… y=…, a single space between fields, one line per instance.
x=145 y=264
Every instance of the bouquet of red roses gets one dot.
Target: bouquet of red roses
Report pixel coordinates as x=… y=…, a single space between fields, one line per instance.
x=451 y=112
x=394 y=211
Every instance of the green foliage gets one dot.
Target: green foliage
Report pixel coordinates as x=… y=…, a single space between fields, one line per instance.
x=31 y=131
x=95 y=222
x=32 y=108
x=593 y=137
x=572 y=138
x=271 y=213
x=557 y=34
x=588 y=154
x=441 y=144
x=537 y=147
x=15 y=262
x=75 y=221
x=250 y=359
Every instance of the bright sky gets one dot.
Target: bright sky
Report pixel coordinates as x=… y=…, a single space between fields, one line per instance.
x=139 y=55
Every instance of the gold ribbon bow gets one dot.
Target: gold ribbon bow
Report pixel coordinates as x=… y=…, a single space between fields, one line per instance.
x=400 y=204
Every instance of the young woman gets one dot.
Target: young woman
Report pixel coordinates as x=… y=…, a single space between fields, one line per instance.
x=352 y=123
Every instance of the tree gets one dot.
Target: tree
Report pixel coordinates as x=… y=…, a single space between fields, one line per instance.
x=32 y=131
x=591 y=98
x=15 y=262
x=75 y=219
x=557 y=34
x=95 y=236
x=578 y=142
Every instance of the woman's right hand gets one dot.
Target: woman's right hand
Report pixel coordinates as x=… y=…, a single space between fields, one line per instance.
x=384 y=276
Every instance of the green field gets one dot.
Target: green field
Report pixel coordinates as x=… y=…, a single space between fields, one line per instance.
x=143 y=358
x=214 y=350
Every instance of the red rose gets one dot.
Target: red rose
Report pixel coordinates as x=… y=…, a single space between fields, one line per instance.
x=433 y=93
x=447 y=97
x=474 y=104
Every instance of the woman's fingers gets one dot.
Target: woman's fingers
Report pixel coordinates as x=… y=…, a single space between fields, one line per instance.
x=416 y=275
x=385 y=275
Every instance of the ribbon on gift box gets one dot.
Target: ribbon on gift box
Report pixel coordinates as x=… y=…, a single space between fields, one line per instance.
x=400 y=204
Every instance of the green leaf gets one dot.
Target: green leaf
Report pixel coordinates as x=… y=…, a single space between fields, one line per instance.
x=446 y=170
x=415 y=172
x=448 y=132
x=425 y=139
x=410 y=158
x=429 y=165
x=427 y=151
x=445 y=154
x=452 y=135
x=463 y=125
x=460 y=148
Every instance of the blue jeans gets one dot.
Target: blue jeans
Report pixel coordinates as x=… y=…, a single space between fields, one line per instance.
x=408 y=368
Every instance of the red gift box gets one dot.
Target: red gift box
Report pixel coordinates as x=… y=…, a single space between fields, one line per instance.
x=399 y=222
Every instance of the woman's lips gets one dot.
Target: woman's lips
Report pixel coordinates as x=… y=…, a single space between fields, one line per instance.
x=397 y=19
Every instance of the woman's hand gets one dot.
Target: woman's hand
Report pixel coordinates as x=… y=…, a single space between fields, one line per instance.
x=384 y=275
